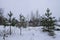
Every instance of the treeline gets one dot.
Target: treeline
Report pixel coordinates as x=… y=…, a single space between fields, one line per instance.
x=47 y=22
x=35 y=20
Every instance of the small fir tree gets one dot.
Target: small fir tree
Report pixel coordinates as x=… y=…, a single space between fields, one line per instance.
x=13 y=23
x=10 y=15
x=48 y=22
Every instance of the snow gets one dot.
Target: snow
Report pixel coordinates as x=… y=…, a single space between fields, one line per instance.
x=29 y=33
x=58 y=23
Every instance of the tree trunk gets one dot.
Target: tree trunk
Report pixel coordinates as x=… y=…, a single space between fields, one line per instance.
x=20 y=31
x=10 y=25
x=4 y=36
x=4 y=33
x=10 y=29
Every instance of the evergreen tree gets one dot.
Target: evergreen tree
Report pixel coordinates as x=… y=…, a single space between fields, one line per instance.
x=48 y=22
x=20 y=24
x=10 y=15
x=4 y=33
x=1 y=16
x=13 y=23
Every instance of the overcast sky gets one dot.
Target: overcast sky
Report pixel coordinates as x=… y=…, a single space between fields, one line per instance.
x=26 y=6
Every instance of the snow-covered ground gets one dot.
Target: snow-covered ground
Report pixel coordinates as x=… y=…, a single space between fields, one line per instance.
x=29 y=33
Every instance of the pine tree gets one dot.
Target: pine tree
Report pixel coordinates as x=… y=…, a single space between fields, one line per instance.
x=1 y=16
x=48 y=22
x=13 y=23
x=22 y=23
x=10 y=15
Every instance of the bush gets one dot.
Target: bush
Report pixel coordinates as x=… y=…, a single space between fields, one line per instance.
x=51 y=33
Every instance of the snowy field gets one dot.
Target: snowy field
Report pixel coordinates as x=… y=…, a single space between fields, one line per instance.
x=29 y=33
